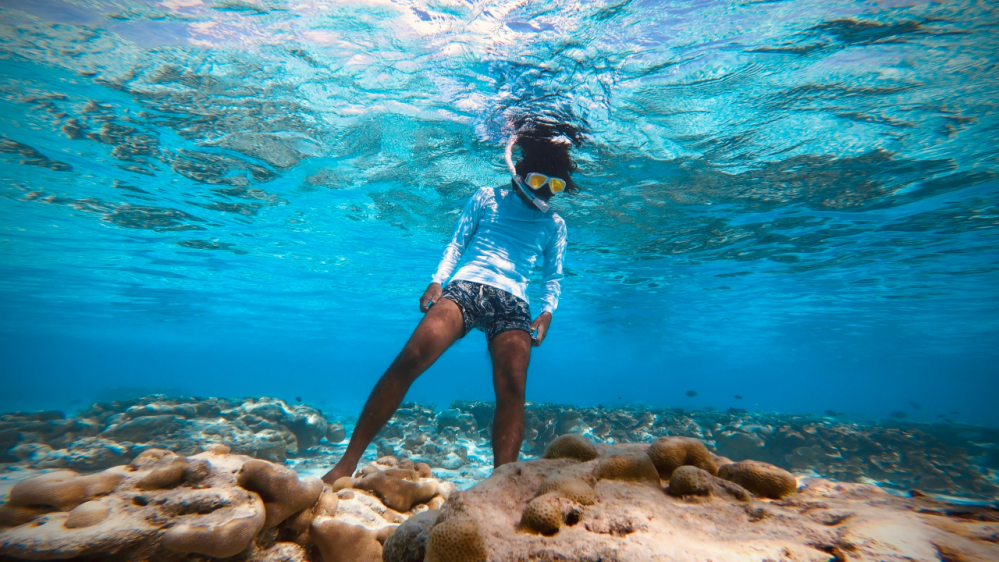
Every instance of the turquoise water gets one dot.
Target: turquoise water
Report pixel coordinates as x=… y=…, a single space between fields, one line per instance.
x=793 y=202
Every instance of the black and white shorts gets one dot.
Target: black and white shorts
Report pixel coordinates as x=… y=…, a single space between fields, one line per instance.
x=489 y=309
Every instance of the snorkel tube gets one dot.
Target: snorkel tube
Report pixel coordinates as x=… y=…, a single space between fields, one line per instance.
x=519 y=181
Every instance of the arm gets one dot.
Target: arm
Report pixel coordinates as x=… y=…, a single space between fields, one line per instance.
x=551 y=281
x=467 y=224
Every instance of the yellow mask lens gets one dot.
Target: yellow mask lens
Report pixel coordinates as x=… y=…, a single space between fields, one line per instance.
x=536 y=180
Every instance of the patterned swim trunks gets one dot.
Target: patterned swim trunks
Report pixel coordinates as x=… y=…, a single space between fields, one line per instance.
x=489 y=309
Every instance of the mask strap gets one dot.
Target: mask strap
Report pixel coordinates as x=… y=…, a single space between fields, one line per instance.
x=518 y=181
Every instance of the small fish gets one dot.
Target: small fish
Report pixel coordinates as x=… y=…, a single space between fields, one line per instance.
x=691 y=393
x=941 y=415
x=77 y=401
x=831 y=413
x=956 y=413
x=737 y=397
x=916 y=406
x=618 y=397
x=600 y=406
x=298 y=399
x=899 y=414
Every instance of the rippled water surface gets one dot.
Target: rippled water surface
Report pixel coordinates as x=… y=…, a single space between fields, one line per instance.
x=795 y=202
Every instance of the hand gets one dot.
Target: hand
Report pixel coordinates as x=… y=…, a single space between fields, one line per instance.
x=541 y=324
x=430 y=296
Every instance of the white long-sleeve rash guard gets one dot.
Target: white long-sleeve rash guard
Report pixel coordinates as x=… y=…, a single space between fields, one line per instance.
x=500 y=238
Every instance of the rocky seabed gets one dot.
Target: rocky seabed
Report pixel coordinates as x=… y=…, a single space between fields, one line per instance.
x=182 y=479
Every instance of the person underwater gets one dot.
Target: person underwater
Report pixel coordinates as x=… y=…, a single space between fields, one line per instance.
x=497 y=241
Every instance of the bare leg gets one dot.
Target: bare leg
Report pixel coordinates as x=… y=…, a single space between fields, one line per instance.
x=441 y=326
x=511 y=352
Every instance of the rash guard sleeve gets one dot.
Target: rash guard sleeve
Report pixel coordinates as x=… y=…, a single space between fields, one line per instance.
x=552 y=272
x=467 y=224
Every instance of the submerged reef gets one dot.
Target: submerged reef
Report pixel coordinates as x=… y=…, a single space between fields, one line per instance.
x=951 y=459
x=108 y=434
x=613 y=506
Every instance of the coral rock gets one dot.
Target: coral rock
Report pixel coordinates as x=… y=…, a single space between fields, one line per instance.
x=327 y=503
x=282 y=552
x=635 y=522
x=636 y=468
x=165 y=477
x=280 y=488
x=424 y=470
x=215 y=538
x=87 y=514
x=762 y=479
x=456 y=540
x=403 y=474
x=571 y=447
x=12 y=516
x=341 y=542
x=670 y=453
x=62 y=490
x=408 y=542
x=343 y=483
x=335 y=433
x=576 y=488
x=205 y=514
x=151 y=458
x=693 y=481
x=399 y=494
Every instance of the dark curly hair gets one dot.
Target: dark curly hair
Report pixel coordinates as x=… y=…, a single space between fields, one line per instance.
x=544 y=148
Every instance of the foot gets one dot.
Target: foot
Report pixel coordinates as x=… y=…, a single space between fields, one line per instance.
x=339 y=471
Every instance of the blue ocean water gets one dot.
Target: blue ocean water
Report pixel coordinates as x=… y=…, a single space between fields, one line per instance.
x=792 y=202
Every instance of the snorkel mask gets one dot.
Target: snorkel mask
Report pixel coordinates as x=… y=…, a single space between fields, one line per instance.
x=519 y=181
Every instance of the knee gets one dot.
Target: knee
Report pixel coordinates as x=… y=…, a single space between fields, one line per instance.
x=509 y=388
x=414 y=357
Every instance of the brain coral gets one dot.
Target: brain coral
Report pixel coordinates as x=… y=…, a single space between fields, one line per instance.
x=281 y=489
x=544 y=515
x=760 y=478
x=693 y=481
x=638 y=468
x=569 y=486
x=409 y=541
x=456 y=539
x=571 y=446
x=670 y=453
